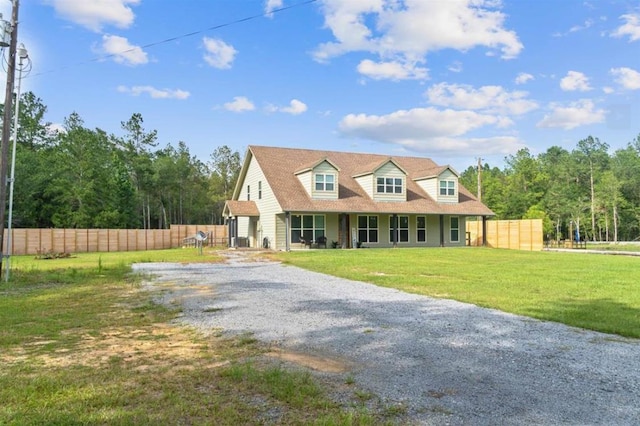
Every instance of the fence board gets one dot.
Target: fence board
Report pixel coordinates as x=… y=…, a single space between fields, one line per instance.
x=523 y=234
x=32 y=241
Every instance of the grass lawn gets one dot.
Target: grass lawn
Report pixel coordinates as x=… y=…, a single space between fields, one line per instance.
x=597 y=292
x=82 y=343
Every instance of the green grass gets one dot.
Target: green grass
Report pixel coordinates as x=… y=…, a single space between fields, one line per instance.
x=597 y=292
x=81 y=343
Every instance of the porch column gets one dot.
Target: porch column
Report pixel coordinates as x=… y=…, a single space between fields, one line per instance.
x=287 y=218
x=484 y=231
x=394 y=236
x=441 y=230
x=343 y=227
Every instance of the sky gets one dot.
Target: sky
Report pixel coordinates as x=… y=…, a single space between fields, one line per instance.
x=452 y=80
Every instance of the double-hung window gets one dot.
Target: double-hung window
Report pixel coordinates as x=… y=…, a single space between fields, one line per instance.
x=325 y=182
x=248 y=193
x=401 y=225
x=448 y=188
x=454 y=229
x=368 y=229
x=307 y=226
x=389 y=185
x=421 y=229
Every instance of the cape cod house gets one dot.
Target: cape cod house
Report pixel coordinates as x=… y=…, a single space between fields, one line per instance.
x=295 y=198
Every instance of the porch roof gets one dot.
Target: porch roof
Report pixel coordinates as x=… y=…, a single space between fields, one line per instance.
x=241 y=208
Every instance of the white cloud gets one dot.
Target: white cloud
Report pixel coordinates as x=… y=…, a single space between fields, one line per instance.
x=121 y=51
x=523 y=78
x=575 y=80
x=239 y=104
x=574 y=115
x=218 y=53
x=491 y=99
x=155 y=93
x=427 y=130
x=627 y=77
x=404 y=32
x=95 y=14
x=630 y=28
x=391 y=70
x=455 y=67
x=295 y=107
x=272 y=5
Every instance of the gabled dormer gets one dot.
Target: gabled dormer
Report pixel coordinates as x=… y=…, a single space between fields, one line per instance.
x=441 y=184
x=385 y=181
x=320 y=179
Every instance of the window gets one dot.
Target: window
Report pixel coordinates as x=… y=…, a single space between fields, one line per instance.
x=402 y=228
x=325 y=182
x=248 y=193
x=448 y=187
x=307 y=226
x=259 y=190
x=389 y=185
x=368 y=229
x=421 y=229
x=455 y=229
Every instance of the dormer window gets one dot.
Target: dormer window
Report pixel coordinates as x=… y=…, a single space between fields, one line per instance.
x=389 y=185
x=448 y=188
x=325 y=182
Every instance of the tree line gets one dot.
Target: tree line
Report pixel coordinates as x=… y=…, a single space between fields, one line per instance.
x=79 y=177
x=587 y=190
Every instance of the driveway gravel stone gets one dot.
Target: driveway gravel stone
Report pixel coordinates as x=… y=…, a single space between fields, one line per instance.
x=444 y=362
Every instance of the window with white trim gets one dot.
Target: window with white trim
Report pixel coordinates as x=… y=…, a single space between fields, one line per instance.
x=448 y=188
x=248 y=193
x=325 y=182
x=307 y=226
x=401 y=227
x=454 y=229
x=259 y=190
x=389 y=185
x=368 y=229
x=421 y=229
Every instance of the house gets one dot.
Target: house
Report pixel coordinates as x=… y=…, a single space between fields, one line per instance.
x=289 y=198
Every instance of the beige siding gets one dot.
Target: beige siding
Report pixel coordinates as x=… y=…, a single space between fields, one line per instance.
x=430 y=186
x=306 y=181
x=264 y=226
x=325 y=168
x=390 y=170
x=447 y=175
x=279 y=242
x=366 y=182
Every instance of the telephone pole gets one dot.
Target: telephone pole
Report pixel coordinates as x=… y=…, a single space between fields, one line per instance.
x=6 y=124
x=479 y=178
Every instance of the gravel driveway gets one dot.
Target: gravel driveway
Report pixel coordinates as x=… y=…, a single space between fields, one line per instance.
x=444 y=362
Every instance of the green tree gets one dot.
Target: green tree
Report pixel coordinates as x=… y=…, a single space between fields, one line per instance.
x=225 y=167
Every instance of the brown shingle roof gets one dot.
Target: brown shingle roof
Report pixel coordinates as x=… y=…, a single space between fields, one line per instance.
x=241 y=208
x=280 y=164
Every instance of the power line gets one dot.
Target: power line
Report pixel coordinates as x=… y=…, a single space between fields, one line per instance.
x=191 y=34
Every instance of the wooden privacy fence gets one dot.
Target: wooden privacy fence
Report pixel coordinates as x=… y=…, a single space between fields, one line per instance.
x=34 y=241
x=523 y=234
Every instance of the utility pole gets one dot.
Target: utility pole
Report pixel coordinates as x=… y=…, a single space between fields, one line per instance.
x=6 y=124
x=479 y=178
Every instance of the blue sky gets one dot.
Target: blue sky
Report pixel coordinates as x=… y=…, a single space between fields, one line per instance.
x=452 y=80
